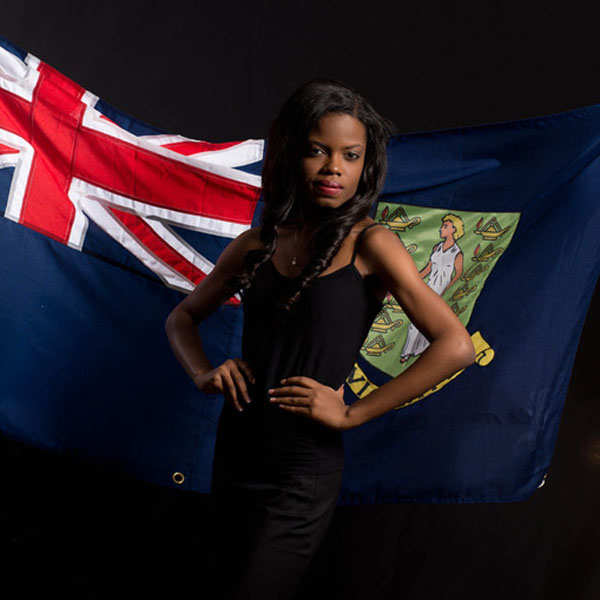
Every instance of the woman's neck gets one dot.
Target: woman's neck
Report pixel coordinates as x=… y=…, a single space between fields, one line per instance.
x=308 y=221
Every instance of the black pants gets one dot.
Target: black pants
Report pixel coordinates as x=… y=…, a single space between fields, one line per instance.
x=268 y=530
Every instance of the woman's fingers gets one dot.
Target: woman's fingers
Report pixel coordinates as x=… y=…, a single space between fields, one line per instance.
x=231 y=388
x=246 y=368
x=230 y=379
x=241 y=383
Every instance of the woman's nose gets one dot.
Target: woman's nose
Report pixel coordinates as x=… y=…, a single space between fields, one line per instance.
x=332 y=165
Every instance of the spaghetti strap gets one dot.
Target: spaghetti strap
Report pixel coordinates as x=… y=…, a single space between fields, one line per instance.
x=358 y=238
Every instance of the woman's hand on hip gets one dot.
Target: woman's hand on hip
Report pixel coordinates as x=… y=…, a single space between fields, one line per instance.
x=306 y=396
x=227 y=379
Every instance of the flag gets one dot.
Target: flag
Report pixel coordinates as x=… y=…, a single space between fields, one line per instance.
x=107 y=223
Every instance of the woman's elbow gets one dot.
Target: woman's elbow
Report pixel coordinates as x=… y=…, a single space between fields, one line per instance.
x=467 y=350
x=173 y=319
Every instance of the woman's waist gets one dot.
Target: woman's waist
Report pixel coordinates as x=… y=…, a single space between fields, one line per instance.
x=324 y=371
x=275 y=428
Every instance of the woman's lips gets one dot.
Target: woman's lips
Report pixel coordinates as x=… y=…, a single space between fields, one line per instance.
x=328 y=190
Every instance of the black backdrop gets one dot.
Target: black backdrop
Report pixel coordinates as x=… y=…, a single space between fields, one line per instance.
x=219 y=72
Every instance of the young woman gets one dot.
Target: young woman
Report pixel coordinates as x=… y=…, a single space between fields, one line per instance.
x=312 y=277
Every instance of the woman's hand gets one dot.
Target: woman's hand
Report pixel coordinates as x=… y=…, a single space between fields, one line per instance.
x=308 y=397
x=227 y=379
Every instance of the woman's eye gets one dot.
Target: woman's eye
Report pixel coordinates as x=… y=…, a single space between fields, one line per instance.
x=350 y=155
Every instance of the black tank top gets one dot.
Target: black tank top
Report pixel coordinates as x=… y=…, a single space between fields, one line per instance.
x=320 y=338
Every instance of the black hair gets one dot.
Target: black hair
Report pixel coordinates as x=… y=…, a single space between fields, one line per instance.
x=282 y=185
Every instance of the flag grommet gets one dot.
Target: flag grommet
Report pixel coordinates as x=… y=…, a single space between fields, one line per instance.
x=178 y=477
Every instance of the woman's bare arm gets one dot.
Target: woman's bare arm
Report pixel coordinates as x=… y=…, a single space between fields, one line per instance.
x=450 y=347
x=207 y=296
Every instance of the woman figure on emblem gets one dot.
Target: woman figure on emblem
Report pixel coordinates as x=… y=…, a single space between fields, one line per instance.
x=446 y=257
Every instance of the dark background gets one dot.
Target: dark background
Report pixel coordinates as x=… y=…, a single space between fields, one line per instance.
x=219 y=72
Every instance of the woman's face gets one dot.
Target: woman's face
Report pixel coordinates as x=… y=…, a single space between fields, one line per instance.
x=334 y=156
x=447 y=229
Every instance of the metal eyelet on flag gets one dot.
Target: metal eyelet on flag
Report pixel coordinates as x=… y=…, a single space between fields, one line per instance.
x=543 y=480
x=178 y=477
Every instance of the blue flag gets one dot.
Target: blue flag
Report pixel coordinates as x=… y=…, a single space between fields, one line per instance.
x=108 y=223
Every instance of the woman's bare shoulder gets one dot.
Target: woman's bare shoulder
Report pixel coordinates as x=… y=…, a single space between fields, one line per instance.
x=232 y=257
x=362 y=224
x=252 y=239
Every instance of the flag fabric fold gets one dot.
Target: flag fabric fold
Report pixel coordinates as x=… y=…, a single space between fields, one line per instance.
x=107 y=223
